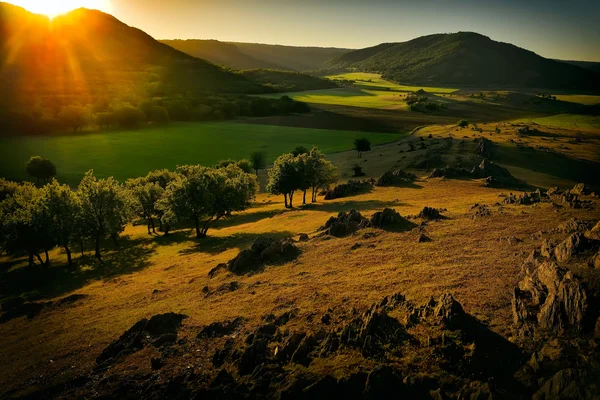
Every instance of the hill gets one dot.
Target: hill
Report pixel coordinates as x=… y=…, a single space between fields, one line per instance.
x=465 y=58
x=220 y=53
x=287 y=81
x=591 y=65
x=256 y=55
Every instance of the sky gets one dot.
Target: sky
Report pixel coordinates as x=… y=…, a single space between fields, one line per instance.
x=564 y=29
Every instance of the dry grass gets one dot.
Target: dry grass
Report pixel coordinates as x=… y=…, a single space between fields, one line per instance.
x=150 y=275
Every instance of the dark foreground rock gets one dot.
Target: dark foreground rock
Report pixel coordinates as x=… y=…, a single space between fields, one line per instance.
x=346 y=224
x=159 y=330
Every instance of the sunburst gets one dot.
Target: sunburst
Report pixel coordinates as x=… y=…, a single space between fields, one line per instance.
x=53 y=8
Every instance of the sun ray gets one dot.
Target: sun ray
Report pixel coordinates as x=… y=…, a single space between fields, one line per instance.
x=55 y=8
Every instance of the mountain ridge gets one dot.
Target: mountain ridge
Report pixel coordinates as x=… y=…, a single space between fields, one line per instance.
x=464 y=58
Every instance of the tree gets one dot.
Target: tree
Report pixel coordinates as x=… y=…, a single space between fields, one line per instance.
x=284 y=178
x=207 y=194
x=145 y=195
x=105 y=208
x=40 y=168
x=258 y=159
x=62 y=206
x=7 y=188
x=73 y=117
x=243 y=164
x=324 y=172
x=129 y=117
x=463 y=123
x=361 y=145
x=24 y=225
x=162 y=177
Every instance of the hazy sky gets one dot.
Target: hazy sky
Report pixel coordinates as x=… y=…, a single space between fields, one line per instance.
x=552 y=28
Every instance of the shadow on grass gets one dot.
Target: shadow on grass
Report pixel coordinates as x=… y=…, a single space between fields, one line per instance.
x=41 y=282
x=351 y=204
x=247 y=218
x=219 y=244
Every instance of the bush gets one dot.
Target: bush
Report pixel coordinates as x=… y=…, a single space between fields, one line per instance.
x=129 y=117
x=358 y=170
x=463 y=123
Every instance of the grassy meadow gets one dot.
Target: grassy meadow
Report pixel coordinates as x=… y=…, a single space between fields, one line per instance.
x=371 y=80
x=130 y=153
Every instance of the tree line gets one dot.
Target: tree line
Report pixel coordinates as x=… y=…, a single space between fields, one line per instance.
x=35 y=219
x=133 y=113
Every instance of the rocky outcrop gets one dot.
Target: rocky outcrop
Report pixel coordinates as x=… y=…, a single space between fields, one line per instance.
x=395 y=177
x=265 y=250
x=430 y=213
x=160 y=330
x=390 y=219
x=484 y=147
x=549 y=297
x=500 y=175
x=581 y=189
x=351 y=188
x=344 y=224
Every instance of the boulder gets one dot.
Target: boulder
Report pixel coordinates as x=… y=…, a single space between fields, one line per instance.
x=581 y=189
x=395 y=177
x=303 y=237
x=349 y=189
x=570 y=383
x=384 y=382
x=344 y=224
x=220 y=329
x=430 y=213
x=264 y=251
x=423 y=238
x=594 y=233
x=389 y=219
x=499 y=174
x=550 y=297
x=571 y=246
x=216 y=270
x=573 y=225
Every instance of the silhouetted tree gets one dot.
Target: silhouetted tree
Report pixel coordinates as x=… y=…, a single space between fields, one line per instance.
x=40 y=168
x=258 y=159
x=361 y=145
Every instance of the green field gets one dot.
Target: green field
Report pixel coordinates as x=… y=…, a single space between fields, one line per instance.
x=354 y=97
x=125 y=154
x=365 y=79
x=579 y=98
x=566 y=121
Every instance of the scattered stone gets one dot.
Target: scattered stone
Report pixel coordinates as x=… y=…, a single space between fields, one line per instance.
x=581 y=189
x=573 y=225
x=572 y=245
x=303 y=237
x=395 y=177
x=349 y=189
x=344 y=224
x=390 y=219
x=430 y=213
x=264 y=251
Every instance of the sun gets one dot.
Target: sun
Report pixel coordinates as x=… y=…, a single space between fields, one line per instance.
x=52 y=8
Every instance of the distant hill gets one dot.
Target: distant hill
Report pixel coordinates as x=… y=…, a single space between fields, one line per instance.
x=591 y=65
x=465 y=58
x=258 y=56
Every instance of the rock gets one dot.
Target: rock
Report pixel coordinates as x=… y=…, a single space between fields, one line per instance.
x=303 y=237
x=344 y=224
x=423 y=238
x=573 y=225
x=581 y=189
x=484 y=147
x=218 y=269
x=384 y=382
x=595 y=261
x=572 y=245
x=449 y=311
x=395 y=177
x=500 y=175
x=349 y=189
x=223 y=378
x=553 y=191
x=253 y=356
x=220 y=329
x=476 y=390
x=390 y=219
x=570 y=383
x=158 y=330
x=302 y=354
x=449 y=172
x=594 y=233
x=430 y=213
x=290 y=346
x=550 y=297
x=264 y=251
x=324 y=388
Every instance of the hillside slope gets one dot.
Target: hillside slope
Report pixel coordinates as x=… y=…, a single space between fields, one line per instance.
x=466 y=58
x=257 y=56
x=86 y=55
x=591 y=65
x=220 y=53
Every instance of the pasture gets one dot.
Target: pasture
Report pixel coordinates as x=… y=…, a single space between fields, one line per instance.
x=130 y=153
x=365 y=79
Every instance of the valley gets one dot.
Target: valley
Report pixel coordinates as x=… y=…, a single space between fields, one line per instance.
x=190 y=218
